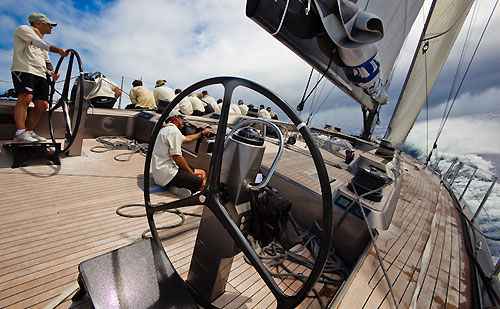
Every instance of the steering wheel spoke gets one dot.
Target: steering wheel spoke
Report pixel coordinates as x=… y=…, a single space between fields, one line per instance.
x=231 y=227
x=193 y=200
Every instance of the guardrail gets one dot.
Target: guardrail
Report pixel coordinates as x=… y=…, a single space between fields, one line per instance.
x=461 y=178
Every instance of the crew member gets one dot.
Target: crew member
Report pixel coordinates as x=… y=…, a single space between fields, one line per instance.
x=31 y=68
x=141 y=97
x=169 y=167
x=162 y=91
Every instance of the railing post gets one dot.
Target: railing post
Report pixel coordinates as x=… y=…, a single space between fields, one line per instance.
x=485 y=198
x=494 y=273
x=120 y=102
x=460 y=164
x=468 y=183
x=449 y=168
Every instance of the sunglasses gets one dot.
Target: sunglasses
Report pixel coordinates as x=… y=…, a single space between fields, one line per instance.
x=49 y=25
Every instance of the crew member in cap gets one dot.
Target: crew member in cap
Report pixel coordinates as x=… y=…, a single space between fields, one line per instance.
x=31 y=68
x=162 y=92
x=169 y=167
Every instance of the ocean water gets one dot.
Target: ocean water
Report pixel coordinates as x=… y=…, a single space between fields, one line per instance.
x=471 y=140
x=489 y=217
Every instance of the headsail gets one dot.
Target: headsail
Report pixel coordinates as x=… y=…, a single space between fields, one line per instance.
x=440 y=32
x=329 y=33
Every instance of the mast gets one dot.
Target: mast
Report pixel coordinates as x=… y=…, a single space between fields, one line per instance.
x=440 y=31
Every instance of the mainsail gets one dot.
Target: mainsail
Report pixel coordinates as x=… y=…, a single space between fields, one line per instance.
x=441 y=29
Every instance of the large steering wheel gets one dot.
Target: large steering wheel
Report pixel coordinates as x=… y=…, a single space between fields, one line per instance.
x=64 y=101
x=210 y=196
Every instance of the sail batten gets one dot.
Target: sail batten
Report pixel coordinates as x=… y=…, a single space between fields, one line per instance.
x=440 y=32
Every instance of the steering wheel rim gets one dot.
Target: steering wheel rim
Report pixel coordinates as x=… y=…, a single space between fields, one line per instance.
x=71 y=129
x=210 y=197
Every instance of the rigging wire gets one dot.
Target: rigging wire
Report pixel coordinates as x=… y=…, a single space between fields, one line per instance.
x=460 y=61
x=313 y=102
x=322 y=103
x=300 y=107
x=373 y=240
x=463 y=78
x=462 y=56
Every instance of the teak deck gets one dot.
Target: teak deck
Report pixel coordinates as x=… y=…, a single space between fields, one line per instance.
x=55 y=217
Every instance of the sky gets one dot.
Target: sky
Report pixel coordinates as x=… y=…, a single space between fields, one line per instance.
x=187 y=41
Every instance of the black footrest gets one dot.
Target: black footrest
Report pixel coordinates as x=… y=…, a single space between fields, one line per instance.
x=135 y=276
x=23 y=152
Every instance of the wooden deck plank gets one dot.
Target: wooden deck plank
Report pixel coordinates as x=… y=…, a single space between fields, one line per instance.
x=439 y=297
x=54 y=227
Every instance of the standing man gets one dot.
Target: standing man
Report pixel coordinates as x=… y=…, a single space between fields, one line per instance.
x=31 y=68
x=169 y=167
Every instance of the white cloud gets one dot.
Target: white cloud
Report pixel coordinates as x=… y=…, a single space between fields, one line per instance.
x=183 y=42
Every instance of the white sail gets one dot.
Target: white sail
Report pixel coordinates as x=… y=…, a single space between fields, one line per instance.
x=440 y=32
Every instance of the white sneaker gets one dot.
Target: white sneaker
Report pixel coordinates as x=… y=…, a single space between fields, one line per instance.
x=180 y=192
x=37 y=137
x=25 y=137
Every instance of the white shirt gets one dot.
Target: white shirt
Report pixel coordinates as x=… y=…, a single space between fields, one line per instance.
x=197 y=104
x=185 y=106
x=107 y=89
x=243 y=109
x=168 y=143
x=233 y=108
x=210 y=100
x=264 y=114
x=29 y=58
x=163 y=93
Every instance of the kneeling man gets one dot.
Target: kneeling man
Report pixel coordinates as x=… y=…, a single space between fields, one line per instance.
x=169 y=167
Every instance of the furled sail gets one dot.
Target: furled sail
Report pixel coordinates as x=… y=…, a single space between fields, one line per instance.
x=355 y=33
x=440 y=32
x=355 y=43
